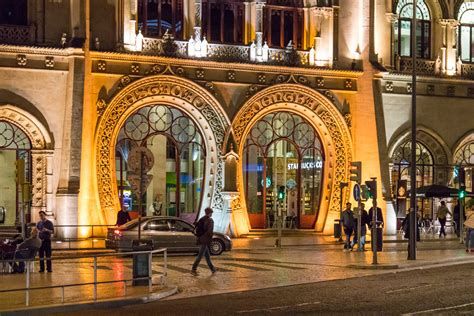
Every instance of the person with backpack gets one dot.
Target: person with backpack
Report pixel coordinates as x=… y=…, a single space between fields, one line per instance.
x=204 y=231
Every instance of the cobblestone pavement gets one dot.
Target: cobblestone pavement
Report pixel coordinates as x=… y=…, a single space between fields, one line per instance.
x=253 y=264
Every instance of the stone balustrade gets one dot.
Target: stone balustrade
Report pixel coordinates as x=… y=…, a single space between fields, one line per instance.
x=17 y=34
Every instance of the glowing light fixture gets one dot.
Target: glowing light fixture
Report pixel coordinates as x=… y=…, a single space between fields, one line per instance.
x=139 y=41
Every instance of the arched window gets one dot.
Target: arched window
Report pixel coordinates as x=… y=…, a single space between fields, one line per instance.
x=283 y=164
x=172 y=166
x=14 y=12
x=466 y=32
x=14 y=145
x=402 y=30
x=223 y=21
x=284 y=22
x=400 y=172
x=155 y=17
x=464 y=157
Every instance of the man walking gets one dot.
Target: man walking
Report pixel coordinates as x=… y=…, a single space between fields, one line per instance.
x=204 y=232
x=348 y=225
x=45 y=228
x=442 y=213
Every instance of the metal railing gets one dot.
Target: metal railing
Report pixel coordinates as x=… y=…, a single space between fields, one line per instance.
x=92 y=236
x=95 y=283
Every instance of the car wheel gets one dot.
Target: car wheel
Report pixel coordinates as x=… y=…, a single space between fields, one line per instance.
x=217 y=247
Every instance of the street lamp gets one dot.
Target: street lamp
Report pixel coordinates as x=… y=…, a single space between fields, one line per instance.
x=413 y=221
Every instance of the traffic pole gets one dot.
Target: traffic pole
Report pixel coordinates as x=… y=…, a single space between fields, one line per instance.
x=374 y=227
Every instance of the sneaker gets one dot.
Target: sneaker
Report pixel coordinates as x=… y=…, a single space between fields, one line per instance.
x=214 y=270
x=194 y=272
x=41 y=271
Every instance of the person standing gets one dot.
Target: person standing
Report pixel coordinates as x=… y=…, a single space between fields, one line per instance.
x=380 y=221
x=204 y=231
x=363 y=228
x=46 y=229
x=32 y=243
x=469 y=225
x=348 y=225
x=443 y=211
x=122 y=217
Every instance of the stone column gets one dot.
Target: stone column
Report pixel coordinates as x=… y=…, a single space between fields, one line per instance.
x=197 y=19
x=392 y=19
x=247 y=23
x=41 y=185
x=119 y=19
x=259 y=27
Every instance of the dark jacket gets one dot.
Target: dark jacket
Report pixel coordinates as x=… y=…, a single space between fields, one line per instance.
x=365 y=221
x=379 y=216
x=406 y=224
x=122 y=218
x=348 y=219
x=43 y=235
x=30 y=243
x=206 y=237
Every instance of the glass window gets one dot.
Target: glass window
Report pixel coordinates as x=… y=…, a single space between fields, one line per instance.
x=179 y=226
x=155 y=17
x=14 y=12
x=222 y=21
x=284 y=22
x=466 y=32
x=173 y=184
x=158 y=225
x=464 y=157
x=282 y=170
x=400 y=170
x=402 y=29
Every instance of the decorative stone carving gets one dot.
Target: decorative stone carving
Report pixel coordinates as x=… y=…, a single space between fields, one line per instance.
x=135 y=68
x=101 y=105
x=261 y=78
x=49 y=62
x=200 y=104
x=389 y=86
x=348 y=84
x=306 y=98
x=200 y=73
x=409 y=88
x=102 y=66
x=231 y=76
x=320 y=82
x=21 y=60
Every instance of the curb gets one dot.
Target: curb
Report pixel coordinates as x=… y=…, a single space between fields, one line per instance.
x=102 y=304
x=368 y=266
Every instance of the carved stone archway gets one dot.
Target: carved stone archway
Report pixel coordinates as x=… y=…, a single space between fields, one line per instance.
x=41 y=154
x=172 y=91
x=326 y=120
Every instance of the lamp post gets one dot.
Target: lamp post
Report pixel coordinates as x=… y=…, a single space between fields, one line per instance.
x=413 y=222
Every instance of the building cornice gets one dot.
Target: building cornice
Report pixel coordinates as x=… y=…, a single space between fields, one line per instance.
x=200 y=63
x=35 y=50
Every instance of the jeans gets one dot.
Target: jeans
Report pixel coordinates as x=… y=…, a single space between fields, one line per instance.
x=467 y=241
x=45 y=249
x=442 y=222
x=348 y=233
x=203 y=251
x=363 y=232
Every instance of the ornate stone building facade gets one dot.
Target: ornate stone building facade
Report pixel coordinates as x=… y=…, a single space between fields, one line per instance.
x=255 y=108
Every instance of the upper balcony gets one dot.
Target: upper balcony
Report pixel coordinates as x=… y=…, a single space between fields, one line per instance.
x=432 y=68
x=17 y=34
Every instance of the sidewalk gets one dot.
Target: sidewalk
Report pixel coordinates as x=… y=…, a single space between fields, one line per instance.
x=253 y=261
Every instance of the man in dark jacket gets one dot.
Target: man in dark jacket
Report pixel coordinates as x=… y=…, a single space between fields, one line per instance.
x=45 y=228
x=348 y=225
x=204 y=232
x=380 y=222
x=363 y=228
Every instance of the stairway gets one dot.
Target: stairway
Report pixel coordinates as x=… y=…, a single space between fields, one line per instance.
x=262 y=233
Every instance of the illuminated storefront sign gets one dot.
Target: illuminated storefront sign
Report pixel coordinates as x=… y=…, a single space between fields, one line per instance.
x=306 y=165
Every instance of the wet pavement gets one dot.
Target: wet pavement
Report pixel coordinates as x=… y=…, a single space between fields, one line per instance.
x=253 y=264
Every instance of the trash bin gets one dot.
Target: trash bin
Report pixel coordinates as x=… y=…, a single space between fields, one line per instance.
x=337 y=228
x=141 y=261
x=379 y=239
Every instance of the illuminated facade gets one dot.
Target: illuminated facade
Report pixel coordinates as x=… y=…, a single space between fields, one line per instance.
x=251 y=107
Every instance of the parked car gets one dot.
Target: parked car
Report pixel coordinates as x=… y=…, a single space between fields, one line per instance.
x=164 y=232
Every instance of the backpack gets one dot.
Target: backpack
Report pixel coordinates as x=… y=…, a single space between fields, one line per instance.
x=199 y=230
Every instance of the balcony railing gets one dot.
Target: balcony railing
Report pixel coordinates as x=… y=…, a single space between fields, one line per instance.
x=429 y=68
x=17 y=34
x=232 y=53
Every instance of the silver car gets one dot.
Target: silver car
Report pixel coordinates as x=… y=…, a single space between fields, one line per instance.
x=163 y=232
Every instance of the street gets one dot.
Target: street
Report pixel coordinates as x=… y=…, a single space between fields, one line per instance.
x=444 y=290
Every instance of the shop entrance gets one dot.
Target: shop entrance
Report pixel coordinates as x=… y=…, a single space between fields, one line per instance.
x=282 y=168
x=171 y=163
